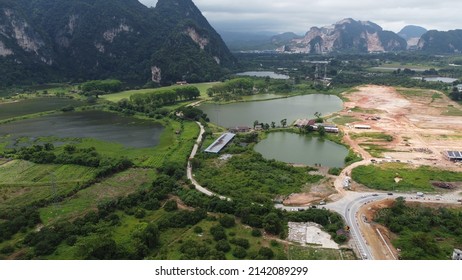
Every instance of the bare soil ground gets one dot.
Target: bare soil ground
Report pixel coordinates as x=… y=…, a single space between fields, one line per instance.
x=418 y=122
x=313 y=194
x=382 y=249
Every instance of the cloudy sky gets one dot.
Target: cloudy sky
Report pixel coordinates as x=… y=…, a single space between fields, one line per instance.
x=299 y=15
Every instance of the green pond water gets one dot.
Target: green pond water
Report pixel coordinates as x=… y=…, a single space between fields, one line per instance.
x=302 y=149
x=104 y=126
x=291 y=108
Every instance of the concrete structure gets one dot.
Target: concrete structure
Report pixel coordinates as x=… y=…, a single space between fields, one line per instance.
x=331 y=128
x=362 y=126
x=220 y=143
x=457 y=255
x=453 y=155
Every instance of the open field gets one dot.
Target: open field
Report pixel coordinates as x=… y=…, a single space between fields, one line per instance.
x=86 y=200
x=12 y=109
x=126 y=94
x=315 y=253
x=416 y=121
x=402 y=177
x=25 y=182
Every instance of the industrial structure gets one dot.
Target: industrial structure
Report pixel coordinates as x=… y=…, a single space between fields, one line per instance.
x=453 y=155
x=220 y=143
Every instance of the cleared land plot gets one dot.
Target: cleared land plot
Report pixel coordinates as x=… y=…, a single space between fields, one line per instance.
x=126 y=94
x=24 y=182
x=35 y=105
x=398 y=176
x=88 y=199
x=424 y=123
x=313 y=253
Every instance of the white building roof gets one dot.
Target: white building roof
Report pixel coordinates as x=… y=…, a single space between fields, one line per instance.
x=220 y=143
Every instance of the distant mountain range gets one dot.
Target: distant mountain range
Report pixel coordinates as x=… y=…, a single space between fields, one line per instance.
x=412 y=34
x=94 y=39
x=352 y=36
x=347 y=35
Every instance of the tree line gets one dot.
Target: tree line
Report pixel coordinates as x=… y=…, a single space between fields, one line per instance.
x=151 y=101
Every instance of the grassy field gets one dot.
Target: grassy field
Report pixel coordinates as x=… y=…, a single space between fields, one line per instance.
x=373 y=142
x=453 y=111
x=372 y=136
x=250 y=175
x=313 y=253
x=24 y=182
x=126 y=94
x=343 y=120
x=88 y=199
x=382 y=177
x=35 y=105
x=172 y=242
x=172 y=239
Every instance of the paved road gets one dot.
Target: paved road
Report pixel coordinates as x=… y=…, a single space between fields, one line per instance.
x=347 y=203
x=348 y=207
x=189 y=170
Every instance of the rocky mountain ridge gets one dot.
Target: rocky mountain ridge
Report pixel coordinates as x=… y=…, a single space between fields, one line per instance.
x=93 y=39
x=347 y=35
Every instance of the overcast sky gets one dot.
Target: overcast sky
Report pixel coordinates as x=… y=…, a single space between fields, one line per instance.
x=299 y=15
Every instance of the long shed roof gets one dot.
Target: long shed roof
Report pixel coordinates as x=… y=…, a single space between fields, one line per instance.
x=454 y=154
x=220 y=143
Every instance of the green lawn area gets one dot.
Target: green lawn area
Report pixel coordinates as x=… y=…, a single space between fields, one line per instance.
x=313 y=253
x=126 y=94
x=118 y=185
x=24 y=182
x=343 y=120
x=382 y=177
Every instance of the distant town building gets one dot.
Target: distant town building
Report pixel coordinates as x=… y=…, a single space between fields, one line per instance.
x=304 y=122
x=457 y=255
x=241 y=129
x=258 y=127
x=181 y=83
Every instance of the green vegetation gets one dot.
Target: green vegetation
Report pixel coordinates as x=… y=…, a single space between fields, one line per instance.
x=25 y=182
x=86 y=200
x=35 y=105
x=372 y=136
x=103 y=86
x=314 y=253
x=423 y=233
x=453 y=111
x=383 y=177
x=372 y=142
x=116 y=97
x=249 y=175
x=343 y=120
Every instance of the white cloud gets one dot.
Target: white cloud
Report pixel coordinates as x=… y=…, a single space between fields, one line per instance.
x=299 y=15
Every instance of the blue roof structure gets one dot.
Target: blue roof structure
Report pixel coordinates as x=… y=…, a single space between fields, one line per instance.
x=220 y=143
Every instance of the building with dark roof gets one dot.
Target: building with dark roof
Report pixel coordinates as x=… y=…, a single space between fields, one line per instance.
x=453 y=155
